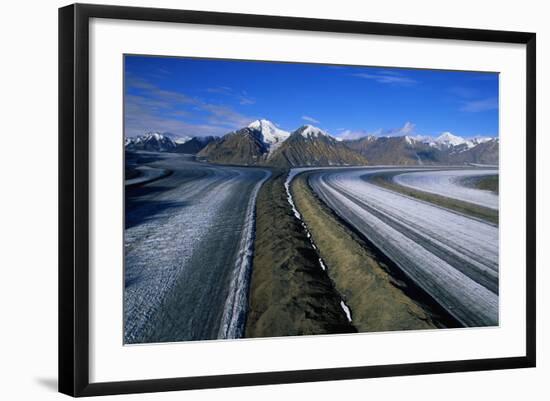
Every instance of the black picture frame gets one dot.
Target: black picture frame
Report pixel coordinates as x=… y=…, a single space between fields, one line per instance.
x=74 y=198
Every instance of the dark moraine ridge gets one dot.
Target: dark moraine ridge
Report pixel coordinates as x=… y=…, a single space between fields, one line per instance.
x=290 y=294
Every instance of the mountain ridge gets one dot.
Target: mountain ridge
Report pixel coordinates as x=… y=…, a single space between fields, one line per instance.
x=447 y=149
x=263 y=143
x=311 y=146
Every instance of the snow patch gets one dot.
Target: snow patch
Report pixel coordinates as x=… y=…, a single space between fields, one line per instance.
x=448 y=139
x=272 y=136
x=297 y=214
x=346 y=310
x=309 y=131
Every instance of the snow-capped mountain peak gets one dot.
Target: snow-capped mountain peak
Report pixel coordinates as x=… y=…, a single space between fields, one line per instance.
x=481 y=139
x=154 y=135
x=449 y=139
x=309 y=131
x=271 y=134
x=262 y=124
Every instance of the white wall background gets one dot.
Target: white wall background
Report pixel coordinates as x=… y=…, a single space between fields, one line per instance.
x=28 y=200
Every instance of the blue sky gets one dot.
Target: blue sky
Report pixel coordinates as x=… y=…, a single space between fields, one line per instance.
x=212 y=97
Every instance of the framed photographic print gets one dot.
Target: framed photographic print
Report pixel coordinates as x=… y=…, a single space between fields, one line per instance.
x=249 y=199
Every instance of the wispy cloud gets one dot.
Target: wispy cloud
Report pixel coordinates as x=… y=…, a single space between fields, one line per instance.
x=464 y=92
x=155 y=93
x=156 y=109
x=132 y=81
x=310 y=119
x=246 y=100
x=241 y=96
x=387 y=77
x=407 y=129
x=469 y=100
x=163 y=71
x=476 y=106
x=149 y=122
x=223 y=90
x=224 y=115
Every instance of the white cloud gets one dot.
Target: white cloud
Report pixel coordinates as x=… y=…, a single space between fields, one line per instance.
x=310 y=119
x=156 y=109
x=246 y=100
x=464 y=92
x=476 y=106
x=241 y=97
x=387 y=77
x=407 y=129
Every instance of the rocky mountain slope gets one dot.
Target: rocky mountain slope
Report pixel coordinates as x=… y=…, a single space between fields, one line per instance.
x=243 y=147
x=485 y=152
x=393 y=150
x=246 y=146
x=311 y=146
x=445 y=149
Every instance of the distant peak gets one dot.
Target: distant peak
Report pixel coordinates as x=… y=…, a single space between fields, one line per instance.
x=154 y=134
x=308 y=131
x=448 y=138
x=447 y=135
x=271 y=135
x=259 y=124
x=481 y=139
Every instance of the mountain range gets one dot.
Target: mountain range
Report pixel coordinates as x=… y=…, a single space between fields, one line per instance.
x=166 y=142
x=263 y=143
x=152 y=141
x=445 y=149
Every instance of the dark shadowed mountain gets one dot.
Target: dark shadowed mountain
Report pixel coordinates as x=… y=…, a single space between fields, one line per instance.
x=243 y=147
